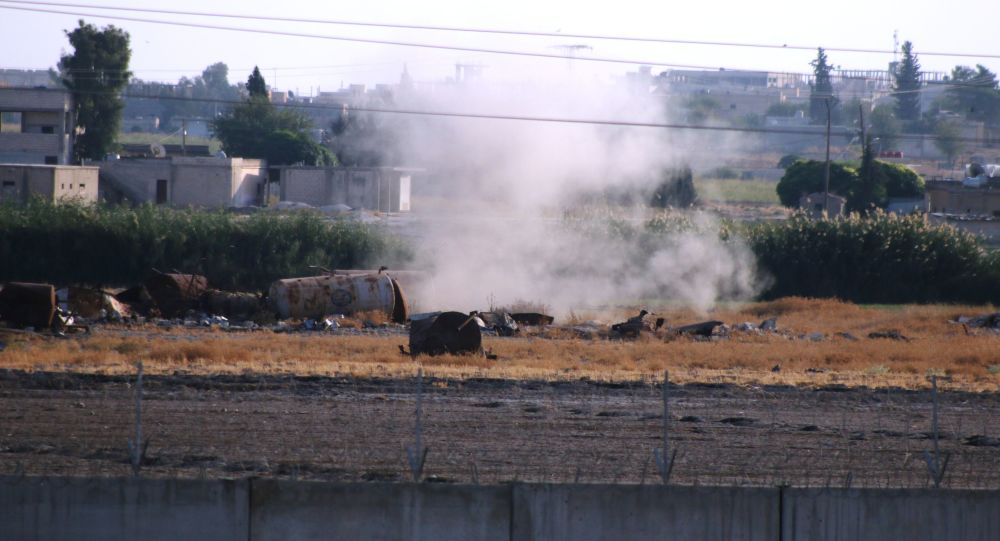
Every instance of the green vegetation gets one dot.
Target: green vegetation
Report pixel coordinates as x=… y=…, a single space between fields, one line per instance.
x=113 y=245
x=907 y=86
x=863 y=191
x=96 y=73
x=741 y=191
x=821 y=98
x=879 y=258
x=258 y=129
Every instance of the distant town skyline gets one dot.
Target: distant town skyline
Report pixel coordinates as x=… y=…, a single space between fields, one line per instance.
x=33 y=40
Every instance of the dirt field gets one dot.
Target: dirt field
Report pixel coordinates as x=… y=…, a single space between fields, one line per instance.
x=818 y=403
x=355 y=429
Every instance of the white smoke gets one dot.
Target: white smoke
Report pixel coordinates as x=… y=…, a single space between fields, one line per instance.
x=499 y=188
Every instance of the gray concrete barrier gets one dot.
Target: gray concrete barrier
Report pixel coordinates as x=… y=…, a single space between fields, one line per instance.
x=592 y=512
x=311 y=510
x=111 y=509
x=262 y=509
x=872 y=514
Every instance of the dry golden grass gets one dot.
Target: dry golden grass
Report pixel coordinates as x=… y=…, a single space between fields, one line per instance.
x=970 y=362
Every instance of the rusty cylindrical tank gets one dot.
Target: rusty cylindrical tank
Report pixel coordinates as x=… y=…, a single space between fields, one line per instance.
x=318 y=296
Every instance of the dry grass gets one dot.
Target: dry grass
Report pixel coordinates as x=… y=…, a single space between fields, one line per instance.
x=936 y=346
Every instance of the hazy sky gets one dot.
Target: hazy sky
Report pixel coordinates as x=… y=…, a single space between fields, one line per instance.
x=35 y=40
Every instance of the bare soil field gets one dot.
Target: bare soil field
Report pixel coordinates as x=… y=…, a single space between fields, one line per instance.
x=489 y=430
x=817 y=403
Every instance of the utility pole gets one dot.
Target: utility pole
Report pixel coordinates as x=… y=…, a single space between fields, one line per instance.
x=826 y=171
x=184 y=133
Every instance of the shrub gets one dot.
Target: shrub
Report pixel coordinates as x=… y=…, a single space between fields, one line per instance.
x=72 y=243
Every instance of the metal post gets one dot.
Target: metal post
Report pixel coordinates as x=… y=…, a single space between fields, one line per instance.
x=826 y=171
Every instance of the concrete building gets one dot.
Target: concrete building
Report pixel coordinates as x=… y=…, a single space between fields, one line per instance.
x=21 y=182
x=36 y=126
x=385 y=189
x=185 y=181
x=815 y=204
x=951 y=197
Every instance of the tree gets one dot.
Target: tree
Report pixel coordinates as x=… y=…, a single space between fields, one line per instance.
x=786 y=109
x=96 y=73
x=907 y=87
x=947 y=138
x=256 y=85
x=821 y=89
x=258 y=129
x=675 y=189
x=885 y=126
x=870 y=189
x=806 y=176
x=870 y=185
x=362 y=139
x=974 y=93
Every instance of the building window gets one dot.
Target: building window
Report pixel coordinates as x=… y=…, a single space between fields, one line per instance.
x=161 y=191
x=62 y=186
x=83 y=186
x=10 y=122
x=51 y=160
x=8 y=184
x=48 y=129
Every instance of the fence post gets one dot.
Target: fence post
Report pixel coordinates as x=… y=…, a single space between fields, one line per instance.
x=663 y=457
x=417 y=454
x=136 y=447
x=936 y=467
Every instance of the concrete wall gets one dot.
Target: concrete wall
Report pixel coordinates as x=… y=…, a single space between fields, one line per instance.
x=591 y=512
x=20 y=182
x=862 y=515
x=432 y=512
x=374 y=188
x=265 y=509
x=194 y=181
x=122 y=509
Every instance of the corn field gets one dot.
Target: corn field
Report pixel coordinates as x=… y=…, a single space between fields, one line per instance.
x=102 y=245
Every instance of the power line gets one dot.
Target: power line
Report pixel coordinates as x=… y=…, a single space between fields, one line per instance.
x=496 y=31
x=545 y=119
x=360 y=40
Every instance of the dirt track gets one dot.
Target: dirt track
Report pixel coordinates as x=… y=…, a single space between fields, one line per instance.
x=492 y=430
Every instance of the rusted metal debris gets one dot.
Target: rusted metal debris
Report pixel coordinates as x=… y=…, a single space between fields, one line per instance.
x=233 y=305
x=704 y=328
x=533 y=319
x=24 y=304
x=500 y=322
x=447 y=332
x=318 y=296
x=175 y=294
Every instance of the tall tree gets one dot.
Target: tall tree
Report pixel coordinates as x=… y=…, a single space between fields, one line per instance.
x=975 y=93
x=907 y=87
x=96 y=73
x=885 y=126
x=821 y=89
x=256 y=85
x=948 y=139
x=258 y=129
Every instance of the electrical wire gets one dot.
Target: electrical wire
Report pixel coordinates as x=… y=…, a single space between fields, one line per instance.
x=492 y=30
x=545 y=119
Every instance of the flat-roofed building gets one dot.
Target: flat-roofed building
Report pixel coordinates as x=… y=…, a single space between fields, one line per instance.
x=19 y=183
x=36 y=126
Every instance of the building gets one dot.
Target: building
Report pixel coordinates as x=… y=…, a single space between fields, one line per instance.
x=36 y=126
x=186 y=181
x=816 y=204
x=56 y=183
x=385 y=189
x=952 y=197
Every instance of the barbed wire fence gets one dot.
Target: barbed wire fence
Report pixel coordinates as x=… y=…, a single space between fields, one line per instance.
x=428 y=429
